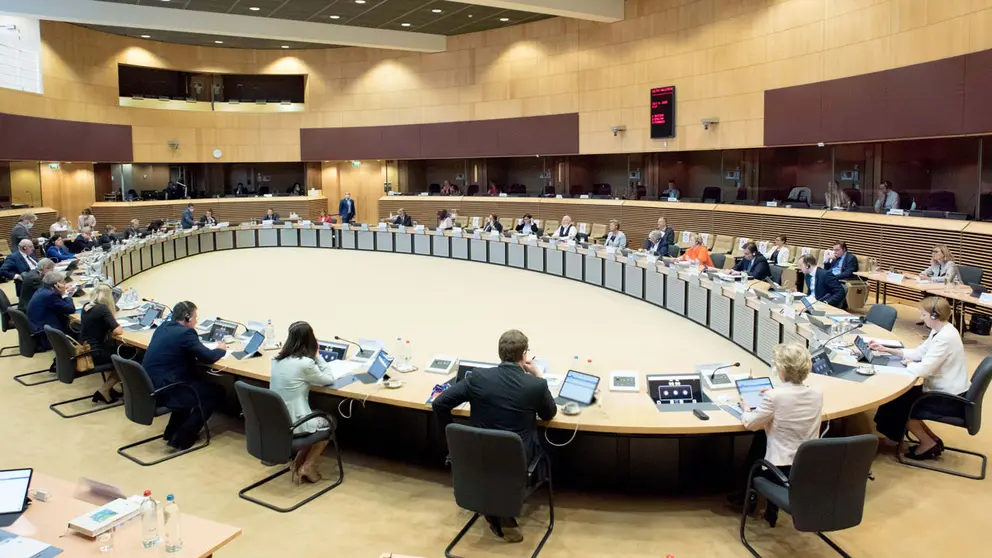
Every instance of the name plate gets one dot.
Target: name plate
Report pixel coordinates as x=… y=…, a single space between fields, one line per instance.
x=692 y=280
x=287 y=225
x=631 y=260
x=592 y=253
x=365 y=227
x=477 y=235
x=895 y=277
x=790 y=313
x=532 y=239
x=740 y=297
x=245 y=226
x=345 y=227
x=327 y=226
x=740 y=287
x=610 y=256
x=514 y=239
x=401 y=229
x=419 y=229
x=896 y=212
x=672 y=199
x=611 y=250
x=771 y=204
x=456 y=232
x=438 y=232
x=985 y=298
x=195 y=227
x=494 y=235
x=652 y=260
x=383 y=227
x=306 y=224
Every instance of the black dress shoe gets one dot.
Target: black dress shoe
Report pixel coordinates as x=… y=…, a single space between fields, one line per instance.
x=771 y=517
x=99 y=398
x=931 y=453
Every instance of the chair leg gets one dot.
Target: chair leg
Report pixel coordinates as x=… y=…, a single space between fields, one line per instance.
x=243 y=493
x=55 y=407
x=833 y=545
x=551 y=514
x=121 y=449
x=30 y=384
x=458 y=537
x=747 y=498
x=3 y=349
x=926 y=465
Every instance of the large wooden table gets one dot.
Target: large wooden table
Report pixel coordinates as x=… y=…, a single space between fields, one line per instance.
x=46 y=522
x=234 y=210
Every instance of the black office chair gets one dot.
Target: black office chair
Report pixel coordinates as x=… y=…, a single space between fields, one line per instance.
x=674 y=251
x=776 y=272
x=968 y=416
x=491 y=476
x=941 y=200
x=269 y=434
x=65 y=371
x=27 y=344
x=971 y=275
x=141 y=407
x=712 y=194
x=719 y=260
x=434 y=189
x=883 y=316
x=825 y=489
x=473 y=189
x=5 y=323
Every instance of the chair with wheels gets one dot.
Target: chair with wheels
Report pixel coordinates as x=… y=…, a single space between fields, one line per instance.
x=269 y=434
x=5 y=323
x=27 y=344
x=969 y=416
x=491 y=476
x=883 y=316
x=65 y=371
x=141 y=407
x=825 y=489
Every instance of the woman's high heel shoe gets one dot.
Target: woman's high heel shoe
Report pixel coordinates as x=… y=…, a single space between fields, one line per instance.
x=99 y=397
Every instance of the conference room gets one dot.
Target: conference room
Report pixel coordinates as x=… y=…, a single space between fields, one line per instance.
x=420 y=277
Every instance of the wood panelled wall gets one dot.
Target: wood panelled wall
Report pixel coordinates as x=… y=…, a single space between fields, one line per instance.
x=68 y=189
x=720 y=54
x=233 y=210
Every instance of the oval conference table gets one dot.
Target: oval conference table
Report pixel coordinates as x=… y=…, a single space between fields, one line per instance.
x=622 y=442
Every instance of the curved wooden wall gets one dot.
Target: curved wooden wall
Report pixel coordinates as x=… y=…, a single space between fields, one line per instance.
x=722 y=55
x=233 y=210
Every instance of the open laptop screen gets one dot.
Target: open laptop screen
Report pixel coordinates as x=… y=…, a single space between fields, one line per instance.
x=14 y=489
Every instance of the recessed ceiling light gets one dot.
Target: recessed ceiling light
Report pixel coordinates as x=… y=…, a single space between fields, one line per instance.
x=254 y=9
x=405 y=24
x=285 y=46
x=359 y=1
x=470 y=15
x=504 y=19
x=146 y=36
x=335 y=17
x=219 y=42
x=437 y=10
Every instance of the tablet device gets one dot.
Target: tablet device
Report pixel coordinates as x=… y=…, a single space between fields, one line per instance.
x=750 y=390
x=380 y=364
x=578 y=387
x=676 y=389
x=332 y=351
x=14 y=485
x=466 y=367
x=251 y=347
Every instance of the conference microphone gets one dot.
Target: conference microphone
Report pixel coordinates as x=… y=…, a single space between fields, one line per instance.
x=338 y=338
x=166 y=306
x=233 y=322
x=718 y=368
x=861 y=324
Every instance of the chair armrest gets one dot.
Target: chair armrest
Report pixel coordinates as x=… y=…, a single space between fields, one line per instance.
x=775 y=471
x=314 y=415
x=938 y=395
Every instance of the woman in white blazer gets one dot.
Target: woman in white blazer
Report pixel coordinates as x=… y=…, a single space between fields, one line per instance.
x=616 y=238
x=297 y=367
x=778 y=253
x=940 y=362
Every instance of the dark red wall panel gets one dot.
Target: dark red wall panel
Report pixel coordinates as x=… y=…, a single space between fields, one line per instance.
x=45 y=139
x=977 y=90
x=556 y=134
x=792 y=115
x=854 y=108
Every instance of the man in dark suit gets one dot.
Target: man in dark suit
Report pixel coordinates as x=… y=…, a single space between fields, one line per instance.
x=840 y=262
x=821 y=284
x=666 y=238
x=527 y=225
x=187 y=218
x=133 y=229
x=271 y=215
x=19 y=263
x=509 y=397
x=347 y=208
x=753 y=263
x=22 y=229
x=50 y=306
x=172 y=356
x=31 y=282
x=402 y=218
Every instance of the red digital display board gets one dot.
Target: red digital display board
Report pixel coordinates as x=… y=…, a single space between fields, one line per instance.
x=663 y=112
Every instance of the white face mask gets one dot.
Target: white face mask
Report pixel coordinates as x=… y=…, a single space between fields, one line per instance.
x=29 y=225
x=347 y=196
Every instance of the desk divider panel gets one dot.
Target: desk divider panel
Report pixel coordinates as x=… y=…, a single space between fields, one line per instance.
x=349 y=240
x=422 y=244
x=326 y=238
x=790 y=335
x=573 y=265
x=554 y=262
x=654 y=286
x=515 y=255
x=146 y=257
x=614 y=275
x=675 y=293
x=633 y=280
x=168 y=250
x=403 y=243
x=193 y=244
x=308 y=238
x=207 y=242
x=384 y=241
x=247 y=239
x=479 y=250
x=268 y=238
x=289 y=237
x=366 y=240
x=720 y=313
x=157 y=253
x=136 y=262
x=181 y=248
x=459 y=248
x=126 y=271
x=699 y=303
x=769 y=335
x=535 y=258
x=224 y=240
x=497 y=252
x=594 y=270
x=440 y=246
x=744 y=326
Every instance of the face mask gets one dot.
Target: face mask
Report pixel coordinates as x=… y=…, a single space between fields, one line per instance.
x=29 y=225
x=348 y=197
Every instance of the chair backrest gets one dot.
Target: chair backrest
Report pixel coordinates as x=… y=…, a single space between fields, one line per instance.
x=976 y=394
x=712 y=193
x=719 y=259
x=801 y=193
x=26 y=343
x=473 y=189
x=970 y=274
x=5 y=323
x=776 y=272
x=853 y=195
x=598 y=230
x=883 y=316
x=550 y=226
x=674 y=251
x=267 y=423
x=65 y=362
x=488 y=470
x=828 y=481
x=723 y=244
x=139 y=403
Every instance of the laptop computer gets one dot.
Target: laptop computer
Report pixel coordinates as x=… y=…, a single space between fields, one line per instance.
x=14 y=485
x=823 y=366
x=466 y=367
x=147 y=320
x=750 y=390
x=810 y=309
x=877 y=360
x=251 y=347
x=332 y=351
x=219 y=330
x=577 y=387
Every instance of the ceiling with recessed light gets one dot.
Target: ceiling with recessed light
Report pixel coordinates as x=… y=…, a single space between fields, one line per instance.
x=438 y=17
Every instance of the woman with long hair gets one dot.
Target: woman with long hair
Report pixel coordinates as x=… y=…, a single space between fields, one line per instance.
x=99 y=326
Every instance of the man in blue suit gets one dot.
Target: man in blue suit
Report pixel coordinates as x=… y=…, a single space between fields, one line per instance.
x=19 y=263
x=840 y=262
x=821 y=284
x=50 y=306
x=172 y=356
x=347 y=208
x=187 y=220
x=753 y=263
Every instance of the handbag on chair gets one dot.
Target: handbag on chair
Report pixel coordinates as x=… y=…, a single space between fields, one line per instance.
x=84 y=357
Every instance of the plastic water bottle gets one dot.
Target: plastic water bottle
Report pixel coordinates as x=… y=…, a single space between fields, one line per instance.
x=270 y=334
x=407 y=356
x=173 y=541
x=149 y=521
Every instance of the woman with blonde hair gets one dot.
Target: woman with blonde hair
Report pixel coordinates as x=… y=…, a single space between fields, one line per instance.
x=835 y=197
x=942 y=266
x=99 y=326
x=697 y=252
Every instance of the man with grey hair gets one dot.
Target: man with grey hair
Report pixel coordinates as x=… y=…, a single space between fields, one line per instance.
x=19 y=263
x=50 y=306
x=31 y=282
x=22 y=229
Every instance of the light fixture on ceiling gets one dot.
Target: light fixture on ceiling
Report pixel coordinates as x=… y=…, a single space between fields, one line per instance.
x=254 y=9
x=437 y=10
x=219 y=42
x=405 y=24
x=504 y=19
x=335 y=17
x=470 y=15
x=146 y=36
x=285 y=46
x=359 y=1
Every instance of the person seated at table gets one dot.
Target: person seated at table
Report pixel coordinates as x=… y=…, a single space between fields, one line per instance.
x=493 y=189
x=655 y=245
x=508 y=397
x=942 y=266
x=840 y=262
x=444 y=220
x=697 y=252
x=448 y=189
x=172 y=355
x=271 y=215
x=402 y=219
x=295 y=189
x=325 y=218
x=98 y=328
x=133 y=229
x=86 y=221
x=186 y=221
x=50 y=305
x=778 y=253
x=83 y=242
x=109 y=235
x=527 y=225
x=208 y=219
x=492 y=224
x=670 y=192
x=60 y=227
x=788 y=415
x=19 y=263
x=31 y=282
x=566 y=230
x=821 y=285
x=297 y=367
x=156 y=225
x=666 y=237
x=940 y=361
x=887 y=198
x=753 y=263
x=615 y=238
x=57 y=250
x=835 y=198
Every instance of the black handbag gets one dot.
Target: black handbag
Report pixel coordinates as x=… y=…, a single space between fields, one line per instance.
x=980 y=324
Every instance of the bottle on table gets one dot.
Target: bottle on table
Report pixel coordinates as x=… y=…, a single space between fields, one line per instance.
x=149 y=521
x=270 y=334
x=407 y=355
x=173 y=540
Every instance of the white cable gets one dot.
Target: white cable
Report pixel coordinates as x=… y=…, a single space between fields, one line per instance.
x=824 y=433
x=574 y=433
x=351 y=402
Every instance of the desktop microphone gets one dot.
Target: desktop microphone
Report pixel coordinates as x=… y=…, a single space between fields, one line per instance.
x=166 y=306
x=845 y=332
x=360 y=348
x=718 y=368
x=233 y=322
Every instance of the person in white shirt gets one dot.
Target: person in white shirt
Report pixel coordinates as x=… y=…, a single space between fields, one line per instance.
x=444 y=220
x=297 y=367
x=527 y=225
x=777 y=253
x=789 y=414
x=616 y=238
x=86 y=221
x=940 y=362
x=566 y=230
x=887 y=198
x=59 y=227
